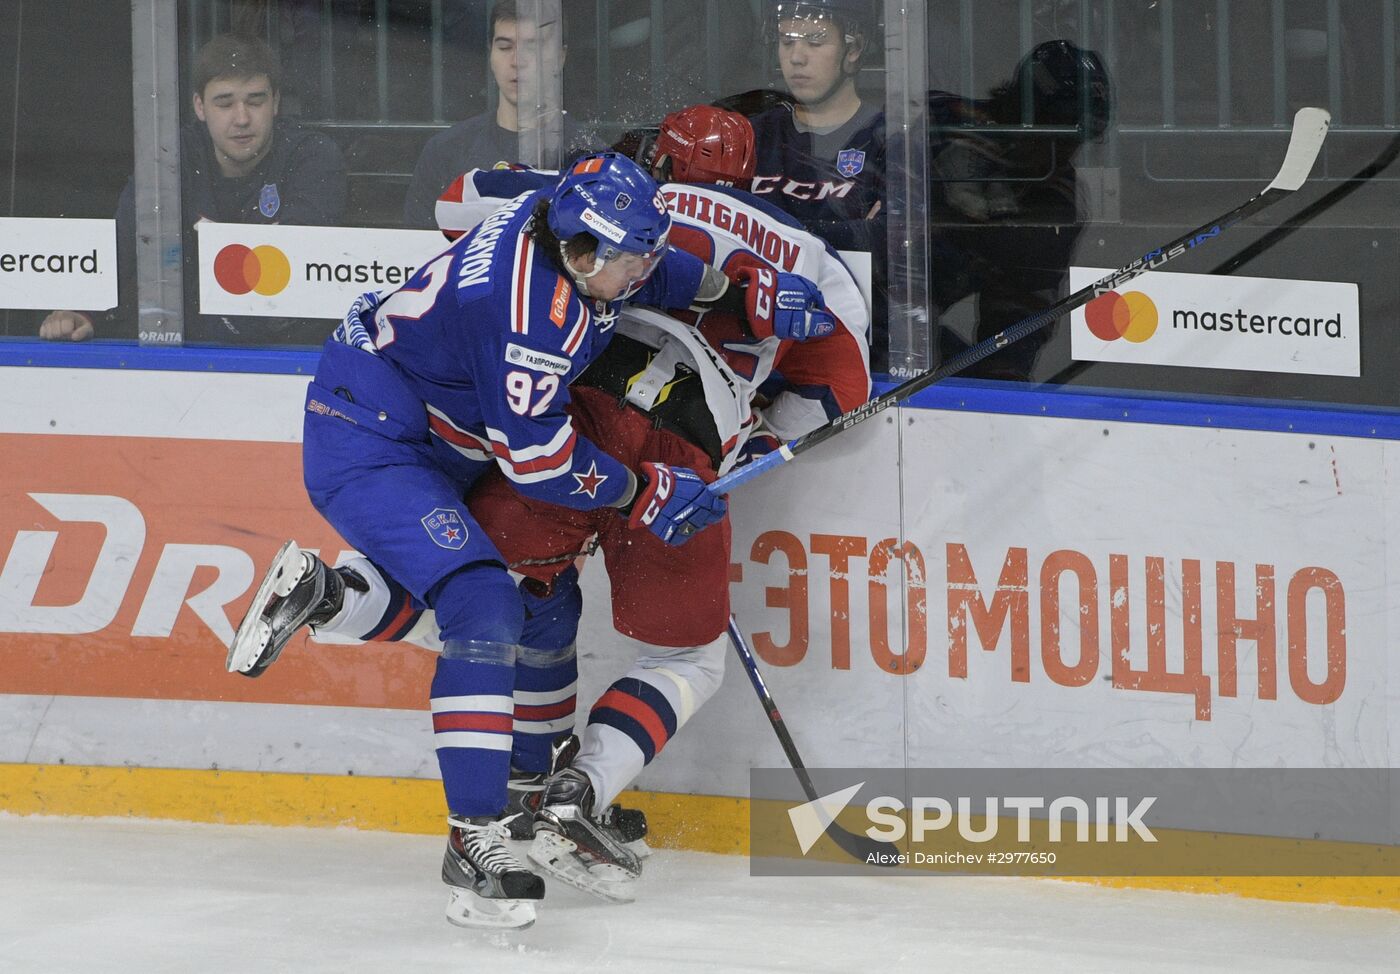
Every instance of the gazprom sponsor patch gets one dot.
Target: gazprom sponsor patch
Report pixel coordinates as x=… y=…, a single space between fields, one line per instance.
x=603 y=227
x=539 y=361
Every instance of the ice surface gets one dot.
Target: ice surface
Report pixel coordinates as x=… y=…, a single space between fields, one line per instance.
x=83 y=895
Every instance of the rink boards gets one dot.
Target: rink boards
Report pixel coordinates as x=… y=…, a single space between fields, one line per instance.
x=940 y=589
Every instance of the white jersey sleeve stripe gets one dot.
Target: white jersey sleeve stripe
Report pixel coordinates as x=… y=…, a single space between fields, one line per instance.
x=534 y=464
x=501 y=445
x=580 y=329
x=520 y=286
x=468 y=444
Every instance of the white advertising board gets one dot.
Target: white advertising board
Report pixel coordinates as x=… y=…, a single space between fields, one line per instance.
x=303 y=272
x=938 y=589
x=1256 y=324
x=58 y=264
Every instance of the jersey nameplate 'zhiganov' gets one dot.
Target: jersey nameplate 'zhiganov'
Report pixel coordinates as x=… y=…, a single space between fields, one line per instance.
x=803 y=384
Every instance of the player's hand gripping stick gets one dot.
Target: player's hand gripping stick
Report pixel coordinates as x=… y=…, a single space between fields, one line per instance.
x=673 y=503
x=787 y=306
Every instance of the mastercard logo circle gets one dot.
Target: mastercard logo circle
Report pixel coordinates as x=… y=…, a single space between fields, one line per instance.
x=1112 y=316
x=240 y=269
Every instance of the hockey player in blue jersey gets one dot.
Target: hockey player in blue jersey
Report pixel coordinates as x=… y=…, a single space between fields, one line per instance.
x=465 y=367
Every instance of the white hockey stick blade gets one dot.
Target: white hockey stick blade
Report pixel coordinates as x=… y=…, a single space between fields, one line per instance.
x=1309 y=129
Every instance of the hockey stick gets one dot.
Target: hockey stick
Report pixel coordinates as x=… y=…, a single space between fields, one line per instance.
x=859 y=847
x=1309 y=129
x=1278 y=234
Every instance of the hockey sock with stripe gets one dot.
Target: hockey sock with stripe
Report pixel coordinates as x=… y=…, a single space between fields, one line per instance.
x=546 y=684
x=473 y=716
x=640 y=713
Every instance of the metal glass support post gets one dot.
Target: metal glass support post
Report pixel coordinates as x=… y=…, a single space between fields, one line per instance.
x=908 y=309
x=541 y=136
x=156 y=122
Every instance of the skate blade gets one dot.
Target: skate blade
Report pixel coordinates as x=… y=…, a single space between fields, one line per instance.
x=253 y=633
x=556 y=855
x=467 y=909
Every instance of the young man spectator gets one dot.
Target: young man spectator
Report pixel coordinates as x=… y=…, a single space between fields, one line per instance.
x=238 y=164
x=493 y=138
x=822 y=158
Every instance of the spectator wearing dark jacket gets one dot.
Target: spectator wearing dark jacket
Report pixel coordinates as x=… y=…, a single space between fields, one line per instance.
x=239 y=164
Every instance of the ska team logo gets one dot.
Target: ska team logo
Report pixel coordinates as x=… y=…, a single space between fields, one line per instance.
x=269 y=201
x=446 y=529
x=849 y=162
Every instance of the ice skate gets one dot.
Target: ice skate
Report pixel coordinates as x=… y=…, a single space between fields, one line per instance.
x=298 y=590
x=488 y=887
x=523 y=785
x=578 y=848
x=630 y=823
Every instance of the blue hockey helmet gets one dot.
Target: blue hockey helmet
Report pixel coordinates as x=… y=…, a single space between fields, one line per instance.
x=613 y=198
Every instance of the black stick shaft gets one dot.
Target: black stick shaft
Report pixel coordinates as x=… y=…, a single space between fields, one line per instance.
x=1187 y=242
x=861 y=848
x=1309 y=130
x=770 y=708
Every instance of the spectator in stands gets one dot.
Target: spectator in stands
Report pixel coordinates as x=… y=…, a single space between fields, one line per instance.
x=822 y=157
x=239 y=164
x=496 y=137
x=1004 y=205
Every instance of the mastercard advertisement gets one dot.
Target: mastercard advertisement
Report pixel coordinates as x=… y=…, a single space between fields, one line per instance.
x=303 y=272
x=1251 y=324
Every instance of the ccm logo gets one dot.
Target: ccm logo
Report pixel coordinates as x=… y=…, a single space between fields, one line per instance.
x=665 y=483
x=763 y=300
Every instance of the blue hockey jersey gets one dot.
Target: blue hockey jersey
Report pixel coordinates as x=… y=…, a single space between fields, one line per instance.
x=488 y=335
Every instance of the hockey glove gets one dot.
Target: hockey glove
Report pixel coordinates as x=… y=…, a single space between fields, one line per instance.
x=784 y=305
x=673 y=503
x=760 y=443
x=354 y=328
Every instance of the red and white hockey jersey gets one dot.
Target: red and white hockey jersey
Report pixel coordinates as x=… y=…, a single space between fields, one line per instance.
x=785 y=388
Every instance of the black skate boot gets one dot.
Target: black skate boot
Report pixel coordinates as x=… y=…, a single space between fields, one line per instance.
x=489 y=886
x=298 y=590
x=584 y=850
x=630 y=823
x=522 y=787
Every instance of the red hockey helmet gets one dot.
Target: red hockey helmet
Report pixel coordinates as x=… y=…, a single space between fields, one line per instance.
x=708 y=145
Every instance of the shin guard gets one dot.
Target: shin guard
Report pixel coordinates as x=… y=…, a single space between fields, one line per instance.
x=640 y=713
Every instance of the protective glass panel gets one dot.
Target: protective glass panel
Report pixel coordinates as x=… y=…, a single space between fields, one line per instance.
x=1068 y=139
x=65 y=157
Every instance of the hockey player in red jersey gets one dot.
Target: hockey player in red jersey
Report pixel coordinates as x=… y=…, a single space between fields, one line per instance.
x=465 y=369
x=683 y=393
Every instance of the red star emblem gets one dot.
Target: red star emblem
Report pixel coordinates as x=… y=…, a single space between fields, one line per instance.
x=451 y=534
x=588 y=483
